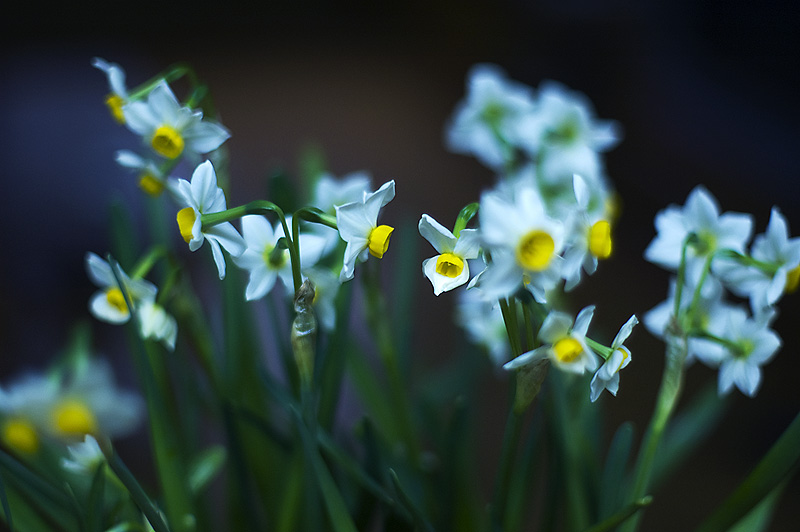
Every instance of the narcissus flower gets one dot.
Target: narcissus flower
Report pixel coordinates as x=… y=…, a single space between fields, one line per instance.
x=203 y=196
x=171 y=129
x=156 y=324
x=450 y=268
x=84 y=457
x=565 y=343
x=118 y=97
x=151 y=179
x=358 y=226
x=266 y=261
x=109 y=303
x=607 y=377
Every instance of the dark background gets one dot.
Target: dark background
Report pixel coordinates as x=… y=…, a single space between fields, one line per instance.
x=706 y=92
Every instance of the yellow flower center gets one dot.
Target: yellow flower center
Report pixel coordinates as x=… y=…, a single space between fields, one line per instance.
x=535 y=250
x=378 y=240
x=73 y=418
x=449 y=265
x=792 y=280
x=168 y=142
x=20 y=435
x=600 y=239
x=567 y=350
x=186 y=219
x=116 y=299
x=114 y=102
x=151 y=185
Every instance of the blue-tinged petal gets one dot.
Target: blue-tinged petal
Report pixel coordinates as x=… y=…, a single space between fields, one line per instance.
x=555 y=326
x=582 y=321
x=164 y=104
x=526 y=358
x=140 y=119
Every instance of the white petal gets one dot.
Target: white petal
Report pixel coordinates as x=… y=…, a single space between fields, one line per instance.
x=442 y=240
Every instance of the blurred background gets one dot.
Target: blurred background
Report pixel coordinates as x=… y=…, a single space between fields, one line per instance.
x=706 y=92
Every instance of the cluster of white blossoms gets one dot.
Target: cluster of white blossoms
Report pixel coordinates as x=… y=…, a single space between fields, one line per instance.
x=708 y=252
x=171 y=131
x=65 y=405
x=544 y=225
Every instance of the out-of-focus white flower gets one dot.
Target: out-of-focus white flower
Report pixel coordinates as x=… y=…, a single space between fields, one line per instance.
x=607 y=377
x=84 y=457
x=449 y=269
x=524 y=242
x=171 y=129
x=266 y=261
x=203 y=196
x=483 y=321
x=564 y=343
x=67 y=406
x=326 y=286
x=151 y=179
x=711 y=231
x=330 y=192
x=778 y=270
x=109 y=304
x=118 y=97
x=156 y=324
x=358 y=226
x=484 y=124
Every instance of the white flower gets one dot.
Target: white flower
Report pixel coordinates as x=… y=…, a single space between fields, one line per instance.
x=751 y=343
x=156 y=324
x=358 y=226
x=109 y=304
x=330 y=192
x=589 y=238
x=607 y=377
x=84 y=456
x=699 y=217
x=203 y=196
x=779 y=272
x=524 y=242
x=485 y=122
x=116 y=82
x=483 y=321
x=266 y=262
x=171 y=129
x=565 y=343
x=564 y=136
x=151 y=179
x=450 y=268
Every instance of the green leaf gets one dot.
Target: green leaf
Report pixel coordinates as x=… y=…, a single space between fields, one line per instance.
x=95 y=509
x=779 y=464
x=612 y=489
x=419 y=520
x=205 y=467
x=759 y=517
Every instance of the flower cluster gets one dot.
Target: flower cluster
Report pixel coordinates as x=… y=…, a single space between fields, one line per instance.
x=707 y=250
x=548 y=220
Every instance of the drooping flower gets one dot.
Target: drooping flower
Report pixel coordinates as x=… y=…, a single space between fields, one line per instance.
x=449 y=269
x=266 y=261
x=203 y=196
x=484 y=124
x=564 y=343
x=118 y=97
x=358 y=226
x=171 y=129
x=710 y=230
x=156 y=324
x=84 y=457
x=109 y=304
x=607 y=377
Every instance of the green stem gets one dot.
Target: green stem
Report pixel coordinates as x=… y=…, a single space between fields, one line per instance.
x=502 y=480
x=669 y=392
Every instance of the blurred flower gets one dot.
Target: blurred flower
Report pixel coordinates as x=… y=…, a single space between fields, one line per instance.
x=607 y=377
x=450 y=268
x=116 y=82
x=483 y=321
x=484 y=124
x=709 y=232
x=84 y=457
x=169 y=128
x=151 y=179
x=203 y=196
x=156 y=324
x=565 y=343
x=358 y=226
x=326 y=286
x=109 y=303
